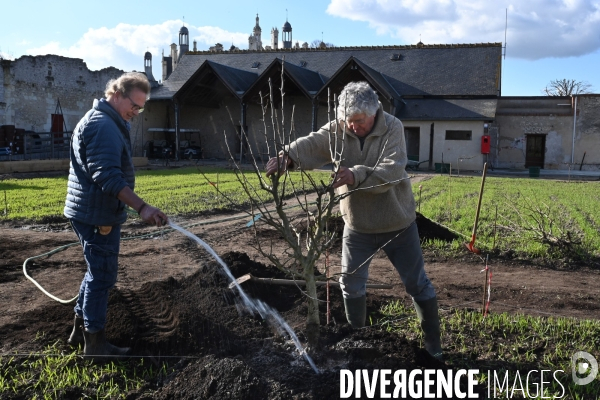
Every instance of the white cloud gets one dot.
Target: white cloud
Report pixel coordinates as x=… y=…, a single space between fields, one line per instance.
x=536 y=28
x=210 y=35
x=124 y=45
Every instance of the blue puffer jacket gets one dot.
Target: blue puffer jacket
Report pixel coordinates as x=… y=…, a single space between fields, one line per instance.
x=101 y=166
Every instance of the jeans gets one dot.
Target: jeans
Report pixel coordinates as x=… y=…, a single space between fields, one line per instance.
x=101 y=254
x=403 y=250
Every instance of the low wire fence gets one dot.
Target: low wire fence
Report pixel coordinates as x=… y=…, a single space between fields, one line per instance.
x=36 y=146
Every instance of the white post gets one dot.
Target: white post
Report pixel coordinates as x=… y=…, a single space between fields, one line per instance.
x=574 y=125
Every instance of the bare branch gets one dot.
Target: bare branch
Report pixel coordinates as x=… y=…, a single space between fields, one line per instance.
x=566 y=87
x=547 y=224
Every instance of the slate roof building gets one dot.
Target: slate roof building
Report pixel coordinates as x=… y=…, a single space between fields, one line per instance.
x=442 y=93
x=447 y=95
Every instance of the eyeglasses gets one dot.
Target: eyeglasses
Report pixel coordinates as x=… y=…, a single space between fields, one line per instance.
x=135 y=107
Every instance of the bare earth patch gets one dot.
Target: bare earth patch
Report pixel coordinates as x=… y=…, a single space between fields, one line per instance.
x=172 y=300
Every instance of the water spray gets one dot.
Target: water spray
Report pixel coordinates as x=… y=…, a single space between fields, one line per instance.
x=253 y=305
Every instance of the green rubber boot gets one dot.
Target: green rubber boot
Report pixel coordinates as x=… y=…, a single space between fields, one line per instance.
x=97 y=347
x=76 y=337
x=356 y=311
x=427 y=312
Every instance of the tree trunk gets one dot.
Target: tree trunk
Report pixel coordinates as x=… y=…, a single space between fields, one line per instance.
x=312 y=319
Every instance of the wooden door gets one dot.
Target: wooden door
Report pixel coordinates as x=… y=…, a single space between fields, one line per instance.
x=535 y=150
x=412 y=136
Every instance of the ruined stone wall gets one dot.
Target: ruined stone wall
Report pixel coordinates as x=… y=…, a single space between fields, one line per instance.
x=4 y=69
x=2 y=100
x=32 y=86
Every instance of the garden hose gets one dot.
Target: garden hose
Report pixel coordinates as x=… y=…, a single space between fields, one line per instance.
x=61 y=248
x=131 y=212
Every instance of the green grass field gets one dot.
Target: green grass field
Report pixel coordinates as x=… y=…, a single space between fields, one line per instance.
x=181 y=191
x=538 y=218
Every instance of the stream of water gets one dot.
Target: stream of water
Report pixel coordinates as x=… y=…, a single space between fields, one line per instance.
x=253 y=305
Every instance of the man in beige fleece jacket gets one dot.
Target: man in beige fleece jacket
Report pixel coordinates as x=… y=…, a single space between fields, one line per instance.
x=379 y=211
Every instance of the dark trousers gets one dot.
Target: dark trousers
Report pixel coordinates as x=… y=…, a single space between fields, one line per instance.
x=101 y=254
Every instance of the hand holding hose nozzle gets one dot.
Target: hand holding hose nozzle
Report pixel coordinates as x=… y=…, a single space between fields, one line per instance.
x=152 y=215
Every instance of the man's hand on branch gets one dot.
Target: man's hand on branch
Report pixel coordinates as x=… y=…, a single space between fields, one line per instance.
x=343 y=177
x=278 y=164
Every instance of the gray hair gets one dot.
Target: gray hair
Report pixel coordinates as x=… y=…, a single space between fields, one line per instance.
x=126 y=83
x=357 y=98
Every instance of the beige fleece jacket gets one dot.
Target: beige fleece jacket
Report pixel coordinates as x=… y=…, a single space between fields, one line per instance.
x=382 y=202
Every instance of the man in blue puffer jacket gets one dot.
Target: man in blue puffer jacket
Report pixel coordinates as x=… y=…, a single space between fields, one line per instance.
x=101 y=183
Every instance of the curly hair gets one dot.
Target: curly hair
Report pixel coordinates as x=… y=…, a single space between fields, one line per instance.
x=126 y=83
x=357 y=98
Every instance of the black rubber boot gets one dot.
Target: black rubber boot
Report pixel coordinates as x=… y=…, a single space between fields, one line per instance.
x=427 y=312
x=76 y=337
x=356 y=311
x=98 y=349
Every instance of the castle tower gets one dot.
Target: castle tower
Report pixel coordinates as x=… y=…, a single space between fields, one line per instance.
x=148 y=69
x=274 y=38
x=254 y=41
x=148 y=65
x=167 y=66
x=184 y=43
x=286 y=36
x=174 y=56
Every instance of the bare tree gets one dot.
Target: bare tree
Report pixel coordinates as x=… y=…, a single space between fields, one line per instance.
x=566 y=87
x=307 y=236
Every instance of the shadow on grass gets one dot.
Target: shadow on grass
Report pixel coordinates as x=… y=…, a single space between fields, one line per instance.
x=12 y=186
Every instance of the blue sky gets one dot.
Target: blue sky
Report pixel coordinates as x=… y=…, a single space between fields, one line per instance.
x=546 y=39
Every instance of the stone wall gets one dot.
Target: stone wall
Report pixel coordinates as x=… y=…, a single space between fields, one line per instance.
x=2 y=100
x=587 y=133
x=553 y=117
x=32 y=86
